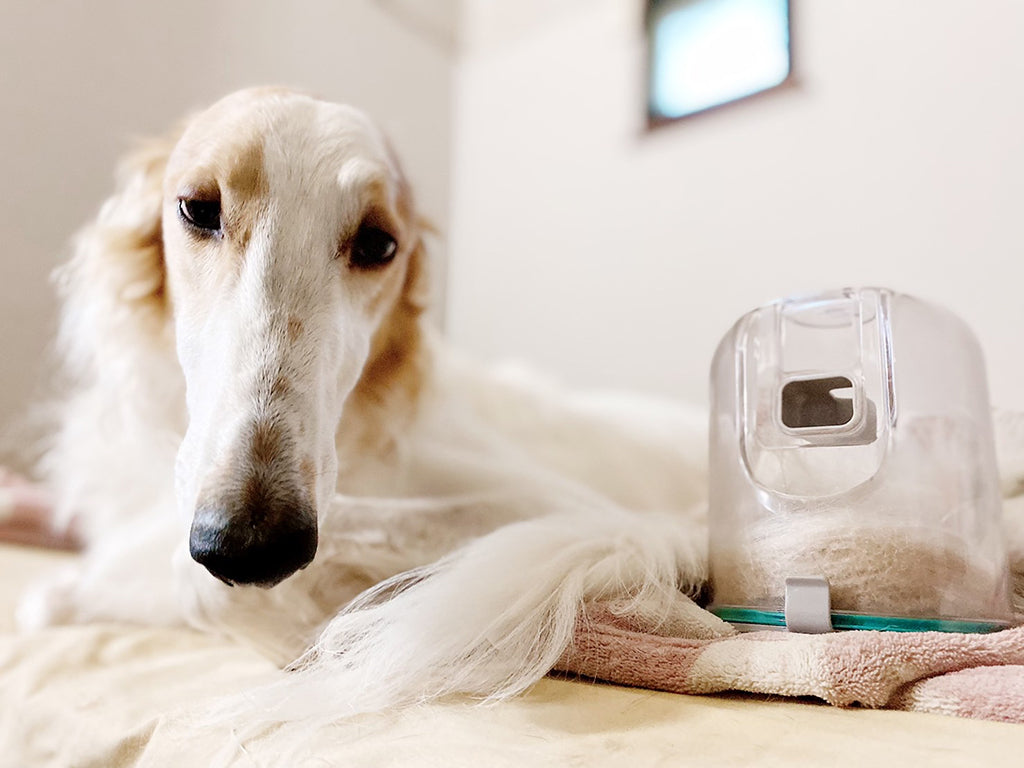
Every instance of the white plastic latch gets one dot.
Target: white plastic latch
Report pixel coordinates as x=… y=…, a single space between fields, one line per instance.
x=808 y=605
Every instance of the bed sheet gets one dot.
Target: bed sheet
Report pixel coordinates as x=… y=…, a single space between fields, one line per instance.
x=113 y=695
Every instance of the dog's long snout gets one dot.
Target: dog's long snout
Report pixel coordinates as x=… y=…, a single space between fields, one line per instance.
x=261 y=539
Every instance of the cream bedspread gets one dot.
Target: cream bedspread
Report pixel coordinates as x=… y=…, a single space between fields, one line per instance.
x=109 y=696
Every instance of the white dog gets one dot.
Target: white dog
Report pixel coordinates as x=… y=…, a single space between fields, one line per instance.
x=260 y=428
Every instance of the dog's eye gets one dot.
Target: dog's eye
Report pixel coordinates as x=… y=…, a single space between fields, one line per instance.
x=372 y=247
x=202 y=214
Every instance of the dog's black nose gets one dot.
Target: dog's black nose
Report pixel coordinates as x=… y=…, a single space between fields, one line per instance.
x=261 y=541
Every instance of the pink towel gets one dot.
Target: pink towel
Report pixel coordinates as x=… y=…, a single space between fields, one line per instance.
x=26 y=515
x=978 y=676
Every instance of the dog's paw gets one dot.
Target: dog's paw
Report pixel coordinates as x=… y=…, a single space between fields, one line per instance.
x=48 y=603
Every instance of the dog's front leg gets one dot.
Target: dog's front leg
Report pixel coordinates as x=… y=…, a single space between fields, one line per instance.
x=380 y=537
x=124 y=576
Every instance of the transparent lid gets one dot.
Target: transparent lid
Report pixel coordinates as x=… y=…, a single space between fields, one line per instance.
x=851 y=439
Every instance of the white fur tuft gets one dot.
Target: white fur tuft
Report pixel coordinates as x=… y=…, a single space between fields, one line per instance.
x=488 y=620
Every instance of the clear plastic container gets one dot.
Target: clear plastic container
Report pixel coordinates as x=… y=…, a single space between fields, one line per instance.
x=851 y=444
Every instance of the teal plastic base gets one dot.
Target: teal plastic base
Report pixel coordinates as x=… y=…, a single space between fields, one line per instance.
x=755 y=618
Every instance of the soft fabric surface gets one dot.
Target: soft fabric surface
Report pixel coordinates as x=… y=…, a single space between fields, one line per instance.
x=26 y=511
x=111 y=696
x=979 y=676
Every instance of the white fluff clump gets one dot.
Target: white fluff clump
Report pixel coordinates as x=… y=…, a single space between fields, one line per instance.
x=488 y=620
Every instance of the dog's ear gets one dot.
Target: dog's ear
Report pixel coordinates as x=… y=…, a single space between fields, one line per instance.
x=416 y=292
x=394 y=375
x=115 y=345
x=114 y=287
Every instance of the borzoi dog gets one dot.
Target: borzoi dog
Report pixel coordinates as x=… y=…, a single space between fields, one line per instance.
x=261 y=437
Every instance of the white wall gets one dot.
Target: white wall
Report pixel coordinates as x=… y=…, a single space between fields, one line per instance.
x=605 y=254
x=618 y=258
x=80 y=79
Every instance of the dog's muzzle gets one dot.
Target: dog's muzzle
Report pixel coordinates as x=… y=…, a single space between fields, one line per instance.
x=259 y=540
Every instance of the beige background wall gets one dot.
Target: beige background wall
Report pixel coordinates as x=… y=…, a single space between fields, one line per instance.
x=80 y=79
x=618 y=258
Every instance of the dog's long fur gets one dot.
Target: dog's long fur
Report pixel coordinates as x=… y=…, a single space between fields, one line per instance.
x=464 y=517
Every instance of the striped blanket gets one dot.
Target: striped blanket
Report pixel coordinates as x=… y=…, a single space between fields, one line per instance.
x=977 y=676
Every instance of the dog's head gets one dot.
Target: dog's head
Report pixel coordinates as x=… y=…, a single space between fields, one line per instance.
x=289 y=268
